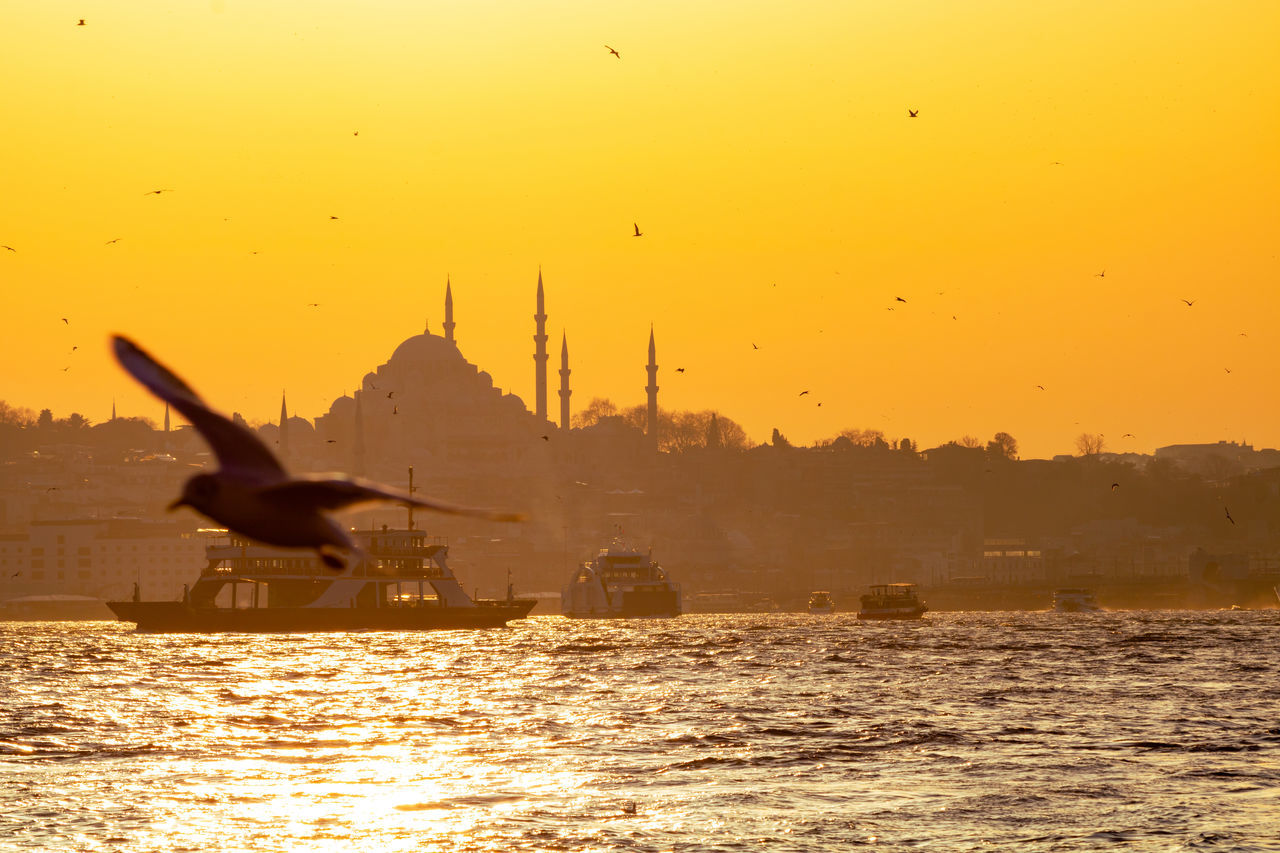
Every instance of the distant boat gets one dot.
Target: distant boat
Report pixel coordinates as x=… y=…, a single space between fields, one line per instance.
x=1075 y=600
x=820 y=602
x=892 y=601
x=620 y=582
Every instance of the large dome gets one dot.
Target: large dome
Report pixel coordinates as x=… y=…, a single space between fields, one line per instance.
x=424 y=348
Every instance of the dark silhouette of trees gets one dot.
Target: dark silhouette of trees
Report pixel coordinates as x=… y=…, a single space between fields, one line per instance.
x=1003 y=446
x=598 y=408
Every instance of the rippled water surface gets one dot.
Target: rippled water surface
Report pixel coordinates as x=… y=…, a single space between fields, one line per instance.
x=1151 y=731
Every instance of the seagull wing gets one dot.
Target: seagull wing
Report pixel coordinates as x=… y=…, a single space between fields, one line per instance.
x=239 y=451
x=336 y=492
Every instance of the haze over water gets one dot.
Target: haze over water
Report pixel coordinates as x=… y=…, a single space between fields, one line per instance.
x=1155 y=730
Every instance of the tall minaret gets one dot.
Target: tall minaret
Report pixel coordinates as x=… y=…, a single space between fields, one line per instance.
x=564 y=383
x=166 y=427
x=284 y=428
x=113 y=408
x=652 y=389
x=357 y=467
x=448 y=312
x=540 y=356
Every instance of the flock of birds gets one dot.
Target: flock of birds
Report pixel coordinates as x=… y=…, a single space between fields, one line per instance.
x=252 y=493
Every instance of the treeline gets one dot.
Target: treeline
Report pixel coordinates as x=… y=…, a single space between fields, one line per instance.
x=23 y=431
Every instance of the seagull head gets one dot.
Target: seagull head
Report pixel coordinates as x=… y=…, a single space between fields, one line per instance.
x=198 y=493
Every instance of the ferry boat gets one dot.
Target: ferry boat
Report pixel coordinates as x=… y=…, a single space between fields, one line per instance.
x=397 y=582
x=820 y=602
x=892 y=601
x=620 y=582
x=1075 y=600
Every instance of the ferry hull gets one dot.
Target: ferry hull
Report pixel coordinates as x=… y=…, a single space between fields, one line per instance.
x=176 y=617
x=916 y=613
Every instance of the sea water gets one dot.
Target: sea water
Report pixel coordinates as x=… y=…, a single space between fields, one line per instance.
x=780 y=732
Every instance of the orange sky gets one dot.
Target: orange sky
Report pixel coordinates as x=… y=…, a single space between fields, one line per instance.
x=764 y=149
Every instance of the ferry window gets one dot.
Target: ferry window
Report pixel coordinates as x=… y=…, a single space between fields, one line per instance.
x=37 y=552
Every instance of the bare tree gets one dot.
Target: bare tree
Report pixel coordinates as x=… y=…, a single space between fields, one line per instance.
x=969 y=441
x=1090 y=444
x=599 y=407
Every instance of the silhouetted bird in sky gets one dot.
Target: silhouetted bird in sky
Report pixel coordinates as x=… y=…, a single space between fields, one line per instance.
x=899 y=298
x=1229 y=518
x=333 y=217
x=546 y=438
x=251 y=493
x=331 y=441
x=1115 y=486
x=80 y=23
x=753 y=346
x=1102 y=274
x=1189 y=302
x=390 y=394
x=156 y=192
x=1228 y=369
x=910 y=112
x=679 y=370
x=109 y=242
x=357 y=133
x=615 y=53
x=802 y=393
x=637 y=227
x=73 y=349
x=1128 y=435
x=1041 y=387
x=65 y=320
x=11 y=249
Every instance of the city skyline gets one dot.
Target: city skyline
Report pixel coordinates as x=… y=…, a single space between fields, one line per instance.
x=286 y=201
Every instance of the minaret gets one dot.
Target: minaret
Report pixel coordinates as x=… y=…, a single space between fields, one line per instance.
x=448 y=312
x=113 y=408
x=564 y=383
x=166 y=427
x=357 y=467
x=652 y=389
x=540 y=356
x=284 y=428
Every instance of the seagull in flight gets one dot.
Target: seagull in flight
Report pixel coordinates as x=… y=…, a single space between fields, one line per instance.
x=1102 y=274
x=912 y=113
x=1189 y=302
x=637 y=227
x=1229 y=518
x=251 y=493
x=614 y=52
x=10 y=248
x=156 y=192
x=802 y=393
x=109 y=242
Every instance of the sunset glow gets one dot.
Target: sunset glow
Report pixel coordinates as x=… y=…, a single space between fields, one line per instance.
x=1074 y=173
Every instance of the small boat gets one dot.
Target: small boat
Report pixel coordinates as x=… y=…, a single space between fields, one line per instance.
x=820 y=602
x=1075 y=600
x=892 y=601
x=620 y=582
